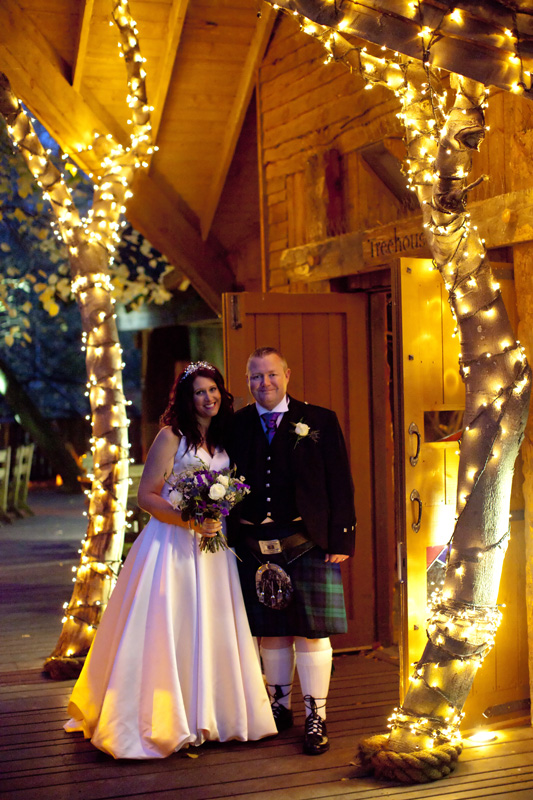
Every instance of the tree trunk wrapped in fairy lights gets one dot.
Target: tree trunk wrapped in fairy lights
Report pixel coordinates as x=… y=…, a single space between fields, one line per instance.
x=424 y=742
x=464 y=615
x=91 y=242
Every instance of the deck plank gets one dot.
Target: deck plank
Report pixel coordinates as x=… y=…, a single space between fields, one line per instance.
x=40 y=761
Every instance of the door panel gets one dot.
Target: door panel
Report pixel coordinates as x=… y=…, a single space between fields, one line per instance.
x=324 y=339
x=430 y=393
x=420 y=367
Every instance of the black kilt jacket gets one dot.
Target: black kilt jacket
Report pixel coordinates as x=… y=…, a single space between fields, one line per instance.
x=317 y=483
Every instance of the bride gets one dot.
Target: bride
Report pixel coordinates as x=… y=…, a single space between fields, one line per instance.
x=173 y=662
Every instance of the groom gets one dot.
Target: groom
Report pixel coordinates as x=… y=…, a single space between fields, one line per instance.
x=292 y=531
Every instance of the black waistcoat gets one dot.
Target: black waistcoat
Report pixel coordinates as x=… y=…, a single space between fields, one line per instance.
x=270 y=478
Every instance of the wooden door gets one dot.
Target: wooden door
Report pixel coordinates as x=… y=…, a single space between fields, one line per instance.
x=429 y=405
x=324 y=339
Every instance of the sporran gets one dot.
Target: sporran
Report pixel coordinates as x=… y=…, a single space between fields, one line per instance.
x=273 y=586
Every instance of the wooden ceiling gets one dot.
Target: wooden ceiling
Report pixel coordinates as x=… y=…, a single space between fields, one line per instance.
x=62 y=58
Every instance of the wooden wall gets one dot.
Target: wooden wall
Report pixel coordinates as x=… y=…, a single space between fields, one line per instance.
x=236 y=222
x=308 y=109
x=505 y=155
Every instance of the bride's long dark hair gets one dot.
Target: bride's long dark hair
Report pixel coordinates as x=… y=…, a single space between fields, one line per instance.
x=180 y=412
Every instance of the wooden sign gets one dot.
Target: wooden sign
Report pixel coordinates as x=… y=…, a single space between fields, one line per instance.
x=501 y=221
x=401 y=240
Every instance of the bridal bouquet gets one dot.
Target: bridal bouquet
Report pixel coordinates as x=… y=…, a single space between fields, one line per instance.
x=201 y=493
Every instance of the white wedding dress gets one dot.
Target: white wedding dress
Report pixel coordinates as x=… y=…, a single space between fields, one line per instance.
x=173 y=662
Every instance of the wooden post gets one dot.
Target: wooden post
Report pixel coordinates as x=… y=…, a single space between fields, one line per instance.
x=5 y=462
x=523 y=259
x=18 y=489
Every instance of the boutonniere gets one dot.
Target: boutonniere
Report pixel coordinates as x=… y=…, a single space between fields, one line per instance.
x=303 y=431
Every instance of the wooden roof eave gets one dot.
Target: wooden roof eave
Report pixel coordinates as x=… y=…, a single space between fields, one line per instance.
x=234 y=124
x=83 y=40
x=157 y=215
x=42 y=80
x=177 y=15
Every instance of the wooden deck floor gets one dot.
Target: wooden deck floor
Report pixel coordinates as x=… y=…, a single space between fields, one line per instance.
x=39 y=761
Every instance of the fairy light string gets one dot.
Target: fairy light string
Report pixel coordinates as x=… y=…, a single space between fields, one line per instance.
x=91 y=243
x=434 y=25
x=461 y=635
x=462 y=617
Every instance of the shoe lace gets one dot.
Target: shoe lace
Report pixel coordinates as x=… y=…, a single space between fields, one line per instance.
x=314 y=723
x=276 y=696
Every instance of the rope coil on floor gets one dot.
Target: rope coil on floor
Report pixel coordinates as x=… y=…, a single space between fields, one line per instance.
x=63 y=668
x=420 y=766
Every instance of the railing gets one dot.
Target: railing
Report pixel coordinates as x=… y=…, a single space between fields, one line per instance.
x=14 y=480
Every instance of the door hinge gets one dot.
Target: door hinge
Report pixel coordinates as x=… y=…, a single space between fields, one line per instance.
x=402 y=562
x=235 y=312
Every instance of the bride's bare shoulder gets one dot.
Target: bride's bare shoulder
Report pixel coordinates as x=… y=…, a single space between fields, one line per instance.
x=166 y=434
x=160 y=457
x=165 y=443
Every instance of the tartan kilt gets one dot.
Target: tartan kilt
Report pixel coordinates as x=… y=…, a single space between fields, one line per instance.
x=316 y=609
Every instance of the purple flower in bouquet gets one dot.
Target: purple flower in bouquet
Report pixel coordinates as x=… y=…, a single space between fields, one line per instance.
x=200 y=494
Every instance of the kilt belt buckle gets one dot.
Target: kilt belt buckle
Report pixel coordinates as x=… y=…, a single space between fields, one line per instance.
x=270 y=547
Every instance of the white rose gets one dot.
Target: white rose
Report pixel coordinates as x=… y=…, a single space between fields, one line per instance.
x=224 y=480
x=301 y=429
x=175 y=497
x=217 y=491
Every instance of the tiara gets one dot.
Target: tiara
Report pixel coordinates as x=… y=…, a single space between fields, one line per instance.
x=194 y=367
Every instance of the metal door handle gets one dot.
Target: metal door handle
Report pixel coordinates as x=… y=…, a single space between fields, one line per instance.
x=413 y=430
x=415 y=498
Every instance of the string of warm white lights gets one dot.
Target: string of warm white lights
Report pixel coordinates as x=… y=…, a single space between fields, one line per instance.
x=461 y=634
x=462 y=616
x=444 y=727
x=91 y=243
x=469 y=625
x=335 y=18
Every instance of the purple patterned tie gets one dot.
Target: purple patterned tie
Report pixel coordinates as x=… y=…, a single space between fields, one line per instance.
x=270 y=420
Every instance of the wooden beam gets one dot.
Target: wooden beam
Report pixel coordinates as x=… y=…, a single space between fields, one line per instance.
x=176 y=20
x=523 y=255
x=15 y=26
x=185 y=308
x=502 y=221
x=388 y=169
x=236 y=118
x=332 y=258
x=83 y=40
x=42 y=80
x=157 y=215
x=475 y=47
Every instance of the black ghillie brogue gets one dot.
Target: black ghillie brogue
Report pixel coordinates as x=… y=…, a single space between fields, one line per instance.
x=282 y=715
x=316 y=739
